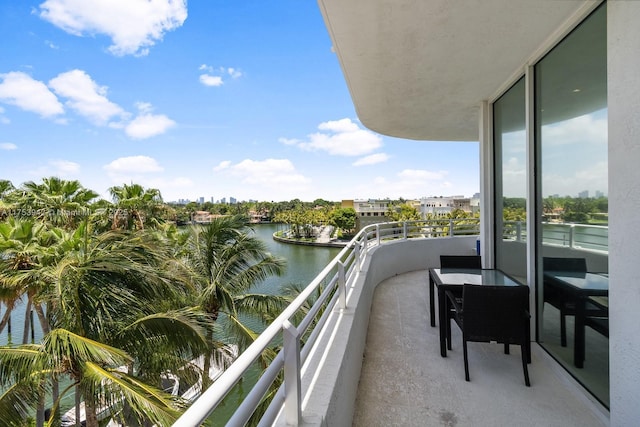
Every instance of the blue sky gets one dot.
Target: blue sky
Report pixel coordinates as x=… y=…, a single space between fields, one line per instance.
x=212 y=98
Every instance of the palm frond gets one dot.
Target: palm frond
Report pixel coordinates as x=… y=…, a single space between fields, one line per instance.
x=185 y=328
x=19 y=363
x=146 y=401
x=265 y=306
x=18 y=401
x=61 y=344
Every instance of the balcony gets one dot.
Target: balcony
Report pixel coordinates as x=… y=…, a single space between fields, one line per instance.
x=369 y=356
x=405 y=381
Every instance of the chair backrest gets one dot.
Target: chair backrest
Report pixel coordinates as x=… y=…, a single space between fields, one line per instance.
x=460 y=261
x=495 y=313
x=577 y=265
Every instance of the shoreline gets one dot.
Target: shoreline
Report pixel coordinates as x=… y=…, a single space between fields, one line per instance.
x=329 y=244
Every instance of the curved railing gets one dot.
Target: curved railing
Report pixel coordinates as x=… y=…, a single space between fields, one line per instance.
x=331 y=284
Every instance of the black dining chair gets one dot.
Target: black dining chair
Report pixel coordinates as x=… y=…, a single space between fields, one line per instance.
x=563 y=301
x=458 y=261
x=494 y=313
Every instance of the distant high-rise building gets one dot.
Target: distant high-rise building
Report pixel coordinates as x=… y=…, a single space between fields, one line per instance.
x=583 y=194
x=232 y=200
x=599 y=194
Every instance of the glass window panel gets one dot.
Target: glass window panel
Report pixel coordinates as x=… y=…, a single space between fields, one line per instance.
x=572 y=255
x=510 y=144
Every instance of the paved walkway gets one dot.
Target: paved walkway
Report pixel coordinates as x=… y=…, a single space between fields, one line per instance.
x=325 y=234
x=405 y=382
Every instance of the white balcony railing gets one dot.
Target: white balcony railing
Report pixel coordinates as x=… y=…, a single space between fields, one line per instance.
x=298 y=339
x=298 y=329
x=574 y=236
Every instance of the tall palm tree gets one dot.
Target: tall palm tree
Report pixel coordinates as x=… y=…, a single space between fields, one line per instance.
x=55 y=200
x=135 y=206
x=25 y=246
x=228 y=262
x=112 y=303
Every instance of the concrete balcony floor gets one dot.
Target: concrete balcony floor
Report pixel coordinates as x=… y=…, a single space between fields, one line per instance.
x=405 y=382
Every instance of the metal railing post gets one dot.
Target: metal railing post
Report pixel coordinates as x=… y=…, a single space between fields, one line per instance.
x=572 y=236
x=378 y=234
x=405 y=233
x=342 y=286
x=518 y=231
x=292 y=399
x=356 y=256
x=451 y=233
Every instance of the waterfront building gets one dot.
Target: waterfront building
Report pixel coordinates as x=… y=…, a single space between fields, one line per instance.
x=550 y=90
x=442 y=206
x=368 y=211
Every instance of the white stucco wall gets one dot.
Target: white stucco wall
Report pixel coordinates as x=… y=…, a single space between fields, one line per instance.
x=623 y=62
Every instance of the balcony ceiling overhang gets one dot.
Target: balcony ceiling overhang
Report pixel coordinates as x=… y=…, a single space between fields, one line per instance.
x=420 y=69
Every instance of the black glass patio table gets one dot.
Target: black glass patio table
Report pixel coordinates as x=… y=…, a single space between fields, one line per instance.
x=453 y=279
x=578 y=288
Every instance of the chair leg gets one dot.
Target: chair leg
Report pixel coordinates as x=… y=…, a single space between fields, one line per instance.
x=466 y=360
x=448 y=331
x=523 y=350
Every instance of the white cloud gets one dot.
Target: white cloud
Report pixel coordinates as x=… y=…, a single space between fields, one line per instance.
x=341 y=138
x=276 y=174
x=8 y=146
x=135 y=164
x=222 y=165
x=287 y=141
x=85 y=97
x=372 y=159
x=65 y=166
x=209 y=80
x=59 y=168
x=148 y=125
x=339 y=126
x=132 y=25
x=21 y=90
x=144 y=107
x=234 y=72
x=583 y=130
x=214 y=76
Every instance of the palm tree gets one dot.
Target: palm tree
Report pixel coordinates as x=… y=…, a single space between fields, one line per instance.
x=228 y=262
x=135 y=206
x=55 y=200
x=6 y=187
x=111 y=303
x=25 y=245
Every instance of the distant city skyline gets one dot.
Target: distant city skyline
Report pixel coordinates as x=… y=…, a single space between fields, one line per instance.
x=243 y=98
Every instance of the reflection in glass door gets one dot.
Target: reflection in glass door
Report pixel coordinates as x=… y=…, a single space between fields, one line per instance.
x=572 y=211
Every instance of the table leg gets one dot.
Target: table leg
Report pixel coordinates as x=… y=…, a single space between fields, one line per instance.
x=442 y=321
x=578 y=336
x=432 y=312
